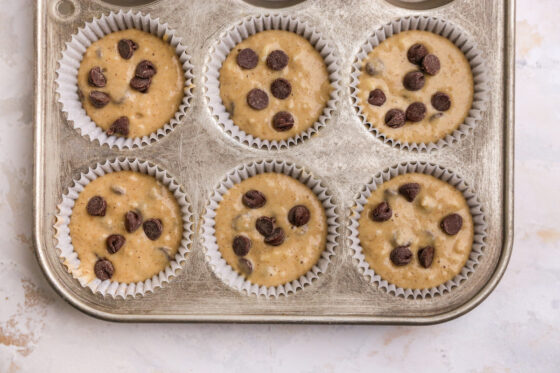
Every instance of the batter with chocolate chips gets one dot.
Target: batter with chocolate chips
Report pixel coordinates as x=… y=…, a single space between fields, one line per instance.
x=271 y=229
x=125 y=227
x=416 y=231
x=131 y=83
x=274 y=84
x=416 y=87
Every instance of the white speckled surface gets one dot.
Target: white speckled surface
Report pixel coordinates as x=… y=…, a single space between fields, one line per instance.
x=517 y=329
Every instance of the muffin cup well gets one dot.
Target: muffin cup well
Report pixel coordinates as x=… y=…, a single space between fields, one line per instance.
x=70 y=258
x=241 y=31
x=67 y=75
x=446 y=176
x=462 y=41
x=231 y=277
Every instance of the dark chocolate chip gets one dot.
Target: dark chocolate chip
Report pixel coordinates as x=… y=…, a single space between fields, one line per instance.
x=283 y=121
x=276 y=238
x=153 y=228
x=426 y=256
x=409 y=191
x=253 y=199
x=245 y=266
x=401 y=256
x=99 y=99
x=415 y=112
x=132 y=221
x=416 y=53
x=96 y=77
x=382 y=212
x=281 y=88
x=452 y=224
x=257 y=99
x=430 y=64
x=140 y=84
x=114 y=243
x=103 y=269
x=119 y=127
x=96 y=206
x=277 y=60
x=441 y=101
x=376 y=97
x=247 y=59
x=145 y=69
x=265 y=225
x=414 y=80
x=241 y=245
x=395 y=118
x=126 y=48
x=299 y=215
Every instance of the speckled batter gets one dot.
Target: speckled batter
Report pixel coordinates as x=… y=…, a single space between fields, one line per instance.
x=416 y=223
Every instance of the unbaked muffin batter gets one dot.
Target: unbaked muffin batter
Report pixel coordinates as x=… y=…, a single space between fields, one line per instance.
x=146 y=112
x=416 y=225
x=140 y=257
x=284 y=260
x=385 y=68
x=305 y=71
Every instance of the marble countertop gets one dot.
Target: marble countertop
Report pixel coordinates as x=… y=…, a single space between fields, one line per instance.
x=517 y=329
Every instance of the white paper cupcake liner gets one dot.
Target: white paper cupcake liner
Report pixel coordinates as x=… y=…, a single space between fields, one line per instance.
x=242 y=31
x=452 y=179
x=67 y=75
x=70 y=258
x=231 y=277
x=456 y=36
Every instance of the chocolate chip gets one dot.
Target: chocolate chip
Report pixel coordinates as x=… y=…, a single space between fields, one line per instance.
x=99 y=99
x=370 y=69
x=140 y=84
x=114 y=243
x=395 y=118
x=441 y=101
x=276 y=238
x=401 y=255
x=132 y=221
x=247 y=59
x=245 y=266
x=376 y=97
x=452 y=224
x=409 y=191
x=435 y=116
x=253 y=199
x=414 y=80
x=416 y=53
x=96 y=206
x=119 y=127
x=103 y=269
x=277 y=60
x=415 y=112
x=153 y=228
x=145 y=69
x=257 y=99
x=430 y=64
x=283 y=121
x=281 y=88
x=241 y=245
x=426 y=256
x=265 y=225
x=126 y=48
x=299 y=215
x=96 y=77
x=382 y=212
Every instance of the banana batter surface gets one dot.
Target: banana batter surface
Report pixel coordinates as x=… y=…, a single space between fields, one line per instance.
x=126 y=204
x=290 y=76
x=115 y=82
x=271 y=229
x=423 y=76
x=418 y=244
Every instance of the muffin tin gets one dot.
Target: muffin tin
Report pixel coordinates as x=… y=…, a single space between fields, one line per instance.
x=343 y=155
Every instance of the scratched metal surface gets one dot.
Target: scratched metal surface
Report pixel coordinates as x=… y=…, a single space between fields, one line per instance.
x=344 y=155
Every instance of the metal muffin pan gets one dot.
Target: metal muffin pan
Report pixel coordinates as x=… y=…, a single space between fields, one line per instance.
x=344 y=155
